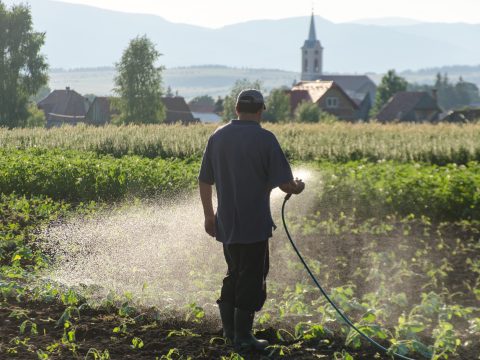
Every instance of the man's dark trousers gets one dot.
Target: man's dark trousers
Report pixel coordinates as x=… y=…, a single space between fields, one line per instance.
x=244 y=286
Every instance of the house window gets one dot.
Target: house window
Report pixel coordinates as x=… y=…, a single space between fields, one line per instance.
x=332 y=102
x=316 y=52
x=316 y=66
x=305 y=66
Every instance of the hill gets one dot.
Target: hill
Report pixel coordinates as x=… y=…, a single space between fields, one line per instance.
x=214 y=80
x=83 y=36
x=217 y=80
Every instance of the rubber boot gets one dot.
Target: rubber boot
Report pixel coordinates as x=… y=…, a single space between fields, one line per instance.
x=244 y=338
x=227 y=314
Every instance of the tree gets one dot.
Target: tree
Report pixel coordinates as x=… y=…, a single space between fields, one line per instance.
x=449 y=95
x=139 y=83
x=36 y=117
x=278 y=106
x=23 y=70
x=41 y=94
x=467 y=93
x=203 y=103
x=218 y=109
x=169 y=92
x=231 y=99
x=307 y=111
x=390 y=85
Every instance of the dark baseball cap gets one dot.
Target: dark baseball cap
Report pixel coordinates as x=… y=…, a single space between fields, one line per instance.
x=250 y=96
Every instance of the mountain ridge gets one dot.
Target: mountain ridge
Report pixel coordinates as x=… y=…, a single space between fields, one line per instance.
x=86 y=36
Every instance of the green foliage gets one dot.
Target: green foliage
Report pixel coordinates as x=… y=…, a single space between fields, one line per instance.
x=36 y=117
x=41 y=94
x=375 y=190
x=19 y=217
x=79 y=176
x=218 y=109
x=390 y=85
x=451 y=95
x=230 y=100
x=307 y=112
x=137 y=343
x=23 y=69
x=278 y=106
x=139 y=83
x=203 y=102
x=195 y=313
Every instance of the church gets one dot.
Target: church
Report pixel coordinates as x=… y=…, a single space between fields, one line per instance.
x=349 y=97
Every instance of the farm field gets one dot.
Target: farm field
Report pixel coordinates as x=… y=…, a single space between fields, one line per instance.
x=103 y=254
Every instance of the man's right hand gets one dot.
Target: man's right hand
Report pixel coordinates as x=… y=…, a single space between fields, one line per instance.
x=210 y=225
x=300 y=186
x=293 y=187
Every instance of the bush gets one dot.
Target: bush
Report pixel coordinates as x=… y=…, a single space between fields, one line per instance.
x=307 y=112
x=36 y=117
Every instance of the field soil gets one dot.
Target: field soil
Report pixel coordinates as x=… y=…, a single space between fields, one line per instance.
x=94 y=329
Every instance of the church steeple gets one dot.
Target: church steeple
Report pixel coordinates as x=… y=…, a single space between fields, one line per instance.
x=312 y=35
x=312 y=54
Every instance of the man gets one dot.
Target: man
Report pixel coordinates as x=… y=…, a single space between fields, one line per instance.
x=245 y=162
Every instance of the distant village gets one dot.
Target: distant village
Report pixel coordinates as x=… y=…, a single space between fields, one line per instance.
x=347 y=97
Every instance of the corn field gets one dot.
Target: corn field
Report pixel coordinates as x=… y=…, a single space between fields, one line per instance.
x=341 y=142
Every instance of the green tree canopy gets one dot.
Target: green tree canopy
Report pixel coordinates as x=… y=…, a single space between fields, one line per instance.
x=307 y=111
x=278 y=106
x=230 y=100
x=451 y=95
x=139 y=83
x=390 y=85
x=202 y=102
x=218 y=109
x=23 y=70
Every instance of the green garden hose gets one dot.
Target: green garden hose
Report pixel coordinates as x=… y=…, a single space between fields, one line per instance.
x=344 y=317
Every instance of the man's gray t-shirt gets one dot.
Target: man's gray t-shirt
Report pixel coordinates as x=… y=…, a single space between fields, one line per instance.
x=245 y=162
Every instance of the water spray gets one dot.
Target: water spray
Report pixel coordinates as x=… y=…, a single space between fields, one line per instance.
x=340 y=312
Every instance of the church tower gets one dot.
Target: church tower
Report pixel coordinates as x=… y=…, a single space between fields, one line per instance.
x=312 y=55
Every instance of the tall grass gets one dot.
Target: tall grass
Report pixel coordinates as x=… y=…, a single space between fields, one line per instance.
x=341 y=142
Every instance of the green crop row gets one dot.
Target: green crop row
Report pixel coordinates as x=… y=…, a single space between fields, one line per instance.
x=373 y=190
x=341 y=142
x=81 y=176
x=449 y=192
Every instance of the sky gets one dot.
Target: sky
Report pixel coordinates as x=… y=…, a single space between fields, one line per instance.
x=217 y=13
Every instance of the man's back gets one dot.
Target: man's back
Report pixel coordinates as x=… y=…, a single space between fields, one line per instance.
x=245 y=162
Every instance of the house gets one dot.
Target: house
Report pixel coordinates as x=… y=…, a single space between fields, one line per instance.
x=360 y=88
x=99 y=111
x=177 y=110
x=411 y=106
x=463 y=115
x=69 y=107
x=64 y=106
x=328 y=95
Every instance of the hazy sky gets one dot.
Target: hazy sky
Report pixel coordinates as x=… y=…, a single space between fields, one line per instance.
x=216 y=13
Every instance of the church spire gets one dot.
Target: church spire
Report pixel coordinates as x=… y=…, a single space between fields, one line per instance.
x=312 y=36
x=312 y=54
